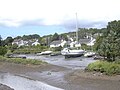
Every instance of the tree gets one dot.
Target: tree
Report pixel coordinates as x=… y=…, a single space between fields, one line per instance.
x=64 y=37
x=110 y=42
x=0 y=40
x=43 y=42
x=98 y=42
x=8 y=41
x=113 y=39
x=55 y=37
x=14 y=47
x=40 y=40
x=3 y=50
x=28 y=37
x=35 y=36
x=18 y=37
x=82 y=33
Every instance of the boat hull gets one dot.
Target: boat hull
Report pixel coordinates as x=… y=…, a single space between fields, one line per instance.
x=45 y=53
x=72 y=53
x=89 y=54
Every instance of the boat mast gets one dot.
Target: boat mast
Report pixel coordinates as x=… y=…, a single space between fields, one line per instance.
x=76 y=28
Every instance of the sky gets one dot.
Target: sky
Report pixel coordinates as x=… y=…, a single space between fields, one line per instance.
x=44 y=17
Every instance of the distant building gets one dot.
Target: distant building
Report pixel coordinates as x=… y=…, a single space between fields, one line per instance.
x=35 y=43
x=84 y=41
x=21 y=42
x=57 y=43
x=92 y=42
x=89 y=42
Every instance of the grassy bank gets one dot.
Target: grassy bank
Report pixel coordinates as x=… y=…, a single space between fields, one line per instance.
x=30 y=49
x=108 y=68
x=22 y=61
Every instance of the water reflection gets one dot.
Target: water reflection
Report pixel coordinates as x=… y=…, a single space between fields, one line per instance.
x=21 y=83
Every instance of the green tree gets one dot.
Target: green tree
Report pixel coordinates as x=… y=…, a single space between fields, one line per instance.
x=64 y=37
x=43 y=42
x=0 y=40
x=8 y=41
x=55 y=37
x=14 y=47
x=113 y=39
x=28 y=37
x=3 y=50
x=18 y=37
x=110 y=41
x=98 y=42
x=82 y=33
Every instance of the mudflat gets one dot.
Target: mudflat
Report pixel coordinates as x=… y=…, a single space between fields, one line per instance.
x=4 y=87
x=62 y=77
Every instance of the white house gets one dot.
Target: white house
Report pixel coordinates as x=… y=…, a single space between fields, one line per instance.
x=92 y=42
x=89 y=42
x=57 y=43
x=35 y=43
x=21 y=42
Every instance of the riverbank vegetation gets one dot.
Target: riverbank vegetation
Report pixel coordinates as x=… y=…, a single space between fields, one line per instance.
x=30 y=49
x=108 y=68
x=22 y=61
x=108 y=46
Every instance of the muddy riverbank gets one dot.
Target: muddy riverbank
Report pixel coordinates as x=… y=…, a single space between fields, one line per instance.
x=93 y=80
x=62 y=77
x=4 y=87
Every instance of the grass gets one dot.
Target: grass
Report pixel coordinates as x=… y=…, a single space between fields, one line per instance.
x=22 y=61
x=108 y=68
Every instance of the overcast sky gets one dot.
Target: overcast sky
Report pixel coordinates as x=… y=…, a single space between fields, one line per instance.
x=43 y=17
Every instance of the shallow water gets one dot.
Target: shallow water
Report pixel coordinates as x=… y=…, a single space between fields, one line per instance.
x=72 y=63
x=21 y=83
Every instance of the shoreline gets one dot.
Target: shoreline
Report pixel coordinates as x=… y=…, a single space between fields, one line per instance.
x=63 y=77
x=93 y=75
x=5 y=87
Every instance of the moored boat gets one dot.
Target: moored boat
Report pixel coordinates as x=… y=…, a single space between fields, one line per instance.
x=55 y=53
x=67 y=52
x=45 y=53
x=89 y=54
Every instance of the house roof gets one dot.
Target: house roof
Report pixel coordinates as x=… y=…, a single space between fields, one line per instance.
x=84 y=41
x=55 y=42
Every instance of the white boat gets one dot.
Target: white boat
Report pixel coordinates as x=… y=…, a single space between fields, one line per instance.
x=67 y=52
x=45 y=53
x=89 y=54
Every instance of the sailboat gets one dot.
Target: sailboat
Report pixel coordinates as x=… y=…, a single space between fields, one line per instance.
x=68 y=52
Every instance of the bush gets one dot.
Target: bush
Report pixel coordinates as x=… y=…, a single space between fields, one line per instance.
x=113 y=69
x=57 y=48
x=29 y=49
x=109 y=68
x=3 y=51
x=22 y=61
x=9 y=53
